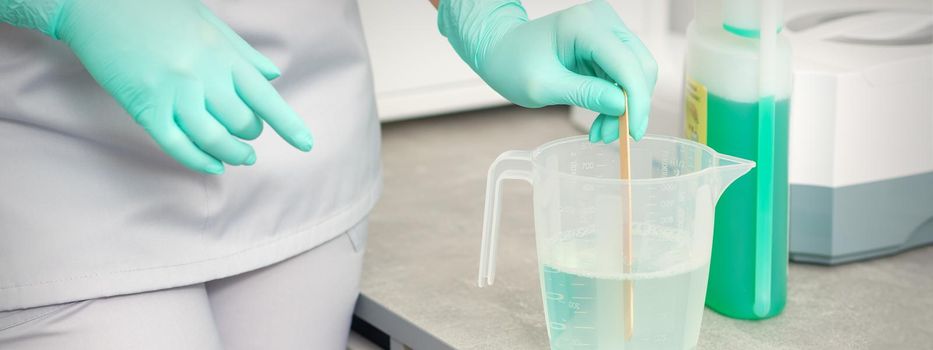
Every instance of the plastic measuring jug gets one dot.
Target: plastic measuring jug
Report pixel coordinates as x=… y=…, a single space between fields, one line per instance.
x=579 y=202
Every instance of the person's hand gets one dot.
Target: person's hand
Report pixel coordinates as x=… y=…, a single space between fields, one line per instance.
x=579 y=56
x=183 y=75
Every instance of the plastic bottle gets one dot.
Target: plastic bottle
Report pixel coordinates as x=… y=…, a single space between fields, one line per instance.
x=738 y=82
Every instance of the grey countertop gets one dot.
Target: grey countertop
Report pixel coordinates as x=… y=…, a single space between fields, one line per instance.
x=419 y=279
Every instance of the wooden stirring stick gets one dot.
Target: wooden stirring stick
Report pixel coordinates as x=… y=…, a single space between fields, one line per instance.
x=625 y=174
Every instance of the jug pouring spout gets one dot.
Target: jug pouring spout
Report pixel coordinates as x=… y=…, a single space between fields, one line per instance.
x=727 y=170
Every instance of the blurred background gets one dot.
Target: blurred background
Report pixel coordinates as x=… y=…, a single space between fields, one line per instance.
x=854 y=61
x=860 y=173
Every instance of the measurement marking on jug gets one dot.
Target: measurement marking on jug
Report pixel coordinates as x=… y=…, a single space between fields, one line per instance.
x=582 y=298
x=581 y=232
x=584 y=327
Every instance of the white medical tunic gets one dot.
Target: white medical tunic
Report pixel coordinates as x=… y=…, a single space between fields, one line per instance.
x=91 y=207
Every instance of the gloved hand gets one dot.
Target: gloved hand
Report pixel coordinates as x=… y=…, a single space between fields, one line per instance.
x=181 y=73
x=577 y=56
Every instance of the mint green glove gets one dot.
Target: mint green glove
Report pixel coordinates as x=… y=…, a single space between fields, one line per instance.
x=181 y=73
x=579 y=56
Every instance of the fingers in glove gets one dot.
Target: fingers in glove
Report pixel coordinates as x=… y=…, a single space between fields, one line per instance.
x=160 y=124
x=593 y=93
x=259 y=95
x=224 y=104
x=608 y=16
x=610 y=129
x=596 y=129
x=648 y=65
x=206 y=132
x=623 y=66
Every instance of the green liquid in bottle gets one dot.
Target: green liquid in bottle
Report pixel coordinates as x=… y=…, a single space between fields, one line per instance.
x=733 y=130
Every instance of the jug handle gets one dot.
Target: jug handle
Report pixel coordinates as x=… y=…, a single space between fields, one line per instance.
x=516 y=165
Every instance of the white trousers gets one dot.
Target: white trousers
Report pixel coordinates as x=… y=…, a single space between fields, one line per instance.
x=305 y=302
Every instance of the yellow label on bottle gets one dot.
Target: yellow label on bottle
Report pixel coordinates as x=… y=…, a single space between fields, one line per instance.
x=695 y=111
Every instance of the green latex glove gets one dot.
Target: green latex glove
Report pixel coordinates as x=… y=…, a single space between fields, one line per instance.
x=182 y=74
x=579 y=56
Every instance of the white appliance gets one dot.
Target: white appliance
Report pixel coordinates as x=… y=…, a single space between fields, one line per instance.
x=861 y=134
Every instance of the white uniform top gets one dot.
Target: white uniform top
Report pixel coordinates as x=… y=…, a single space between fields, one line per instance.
x=91 y=207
